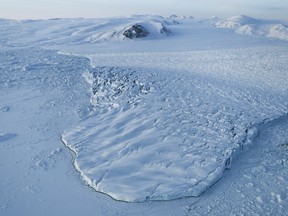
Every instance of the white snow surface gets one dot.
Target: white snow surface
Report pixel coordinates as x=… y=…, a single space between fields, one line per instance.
x=153 y=119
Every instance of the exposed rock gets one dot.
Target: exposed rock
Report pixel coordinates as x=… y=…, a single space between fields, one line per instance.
x=136 y=31
x=165 y=30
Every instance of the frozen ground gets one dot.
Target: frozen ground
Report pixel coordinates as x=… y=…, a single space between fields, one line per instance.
x=157 y=118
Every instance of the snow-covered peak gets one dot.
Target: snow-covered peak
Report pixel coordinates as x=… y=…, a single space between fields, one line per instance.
x=254 y=27
x=174 y=16
x=235 y=22
x=248 y=29
x=278 y=31
x=130 y=31
x=59 y=31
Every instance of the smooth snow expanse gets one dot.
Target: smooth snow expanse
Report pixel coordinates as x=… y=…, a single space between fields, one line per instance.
x=157 y=118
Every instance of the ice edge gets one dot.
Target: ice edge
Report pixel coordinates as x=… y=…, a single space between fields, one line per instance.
x=251 y=134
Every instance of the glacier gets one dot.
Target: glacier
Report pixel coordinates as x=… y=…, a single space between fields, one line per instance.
x=165 y=135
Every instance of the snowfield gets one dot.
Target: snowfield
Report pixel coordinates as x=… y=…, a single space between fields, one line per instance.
x=152 y=108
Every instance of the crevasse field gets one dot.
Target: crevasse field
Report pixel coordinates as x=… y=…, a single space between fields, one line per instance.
x=162 y=116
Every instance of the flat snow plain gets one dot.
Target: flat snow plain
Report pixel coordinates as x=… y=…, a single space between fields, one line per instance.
x=152 y=119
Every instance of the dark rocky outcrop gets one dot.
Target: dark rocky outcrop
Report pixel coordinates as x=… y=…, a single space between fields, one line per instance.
x=136 y=31
x=165 y=30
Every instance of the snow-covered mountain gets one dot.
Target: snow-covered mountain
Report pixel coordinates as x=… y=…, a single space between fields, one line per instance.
x=278 y=31
x=152 y=108
x=255 y=27
x=144 y=29
x=121 y=29
x=58 y=31
x=235 y=22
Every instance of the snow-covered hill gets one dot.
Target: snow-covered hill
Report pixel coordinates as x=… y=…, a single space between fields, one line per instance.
x=255 y=27
x=152 y=108
x=58 y=31
x=236 y=22
x=278 y=31
x=124 y=29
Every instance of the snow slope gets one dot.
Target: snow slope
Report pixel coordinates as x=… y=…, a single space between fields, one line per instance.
x=159 y=119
